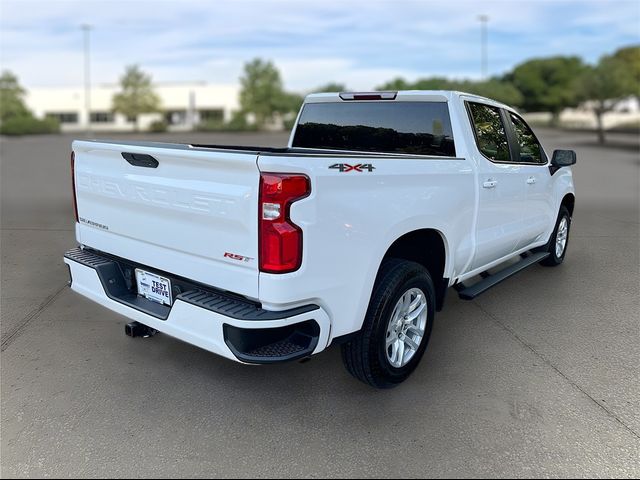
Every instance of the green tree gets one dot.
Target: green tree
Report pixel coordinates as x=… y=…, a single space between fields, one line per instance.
x=494 y=88
x=289 y=103
x=548 y=84
x=434 y=83
x=15 y=117
x=396 y=84
x=427 y=83
x=262 y=93
x=604 y=85
x=11 y=98
x=630 y=57
x=137 y=95
x=330 y=87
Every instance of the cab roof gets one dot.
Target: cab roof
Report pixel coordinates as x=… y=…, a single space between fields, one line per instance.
x=400 y=95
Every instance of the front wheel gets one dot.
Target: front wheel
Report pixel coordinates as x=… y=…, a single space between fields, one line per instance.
x=557 y=246
x=397 y=326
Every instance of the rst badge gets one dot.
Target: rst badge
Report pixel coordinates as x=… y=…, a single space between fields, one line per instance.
x=235 y=256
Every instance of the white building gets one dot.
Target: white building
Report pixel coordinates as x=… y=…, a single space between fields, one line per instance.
x=183 y=106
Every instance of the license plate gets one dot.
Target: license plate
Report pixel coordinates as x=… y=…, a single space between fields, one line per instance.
x=153 y=287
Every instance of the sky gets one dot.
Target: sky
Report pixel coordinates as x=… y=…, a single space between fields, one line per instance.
x=358 y=43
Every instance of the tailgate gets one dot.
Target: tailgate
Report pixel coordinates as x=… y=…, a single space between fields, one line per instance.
x=195 y=214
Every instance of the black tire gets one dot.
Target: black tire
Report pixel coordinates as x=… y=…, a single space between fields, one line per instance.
x=553 y=260
x=365 y=356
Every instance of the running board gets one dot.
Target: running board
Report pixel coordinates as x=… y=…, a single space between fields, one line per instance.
x=491 y=280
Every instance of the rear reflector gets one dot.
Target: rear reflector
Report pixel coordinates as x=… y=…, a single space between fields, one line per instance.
x=73 y=184
x=280 y=240
x=368 y=95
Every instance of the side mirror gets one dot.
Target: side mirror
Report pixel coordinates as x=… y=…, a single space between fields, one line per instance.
x=563 y=158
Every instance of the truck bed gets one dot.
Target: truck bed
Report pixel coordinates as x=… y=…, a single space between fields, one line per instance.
x=258 y=150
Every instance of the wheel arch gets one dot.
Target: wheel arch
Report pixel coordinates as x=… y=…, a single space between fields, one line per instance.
x=428 y=247
x=569 y=201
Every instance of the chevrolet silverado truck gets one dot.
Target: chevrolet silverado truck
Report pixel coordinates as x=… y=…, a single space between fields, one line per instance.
x=351 y=235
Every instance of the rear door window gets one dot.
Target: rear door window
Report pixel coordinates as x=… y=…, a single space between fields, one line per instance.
x=491 y=135
x=422 y=128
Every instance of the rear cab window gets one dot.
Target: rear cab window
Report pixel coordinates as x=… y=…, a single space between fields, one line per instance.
x=419 y=128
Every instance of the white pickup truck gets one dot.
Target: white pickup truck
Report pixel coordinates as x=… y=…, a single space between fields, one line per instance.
x=351 y=235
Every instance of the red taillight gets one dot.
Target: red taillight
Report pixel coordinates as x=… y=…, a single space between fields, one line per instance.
x=280 y=240
x=73 y=184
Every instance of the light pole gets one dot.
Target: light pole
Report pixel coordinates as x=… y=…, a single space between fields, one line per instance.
x=484 y=20
x=86 y=29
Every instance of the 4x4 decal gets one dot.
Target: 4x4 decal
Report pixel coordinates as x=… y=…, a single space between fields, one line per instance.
x=360 y=167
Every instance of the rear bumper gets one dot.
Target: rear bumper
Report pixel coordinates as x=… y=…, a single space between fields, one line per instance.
x=219 y=322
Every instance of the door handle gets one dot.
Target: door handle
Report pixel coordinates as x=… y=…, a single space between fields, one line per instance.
x=531 y=180
x=490 y=184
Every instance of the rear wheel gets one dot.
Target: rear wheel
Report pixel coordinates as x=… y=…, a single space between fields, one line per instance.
x=557 y=246
x=397 y=326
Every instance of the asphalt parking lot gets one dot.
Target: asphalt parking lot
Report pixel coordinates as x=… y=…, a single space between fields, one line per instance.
x=538 y=377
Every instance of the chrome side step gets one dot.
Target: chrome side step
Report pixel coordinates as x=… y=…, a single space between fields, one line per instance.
x=491 y=280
